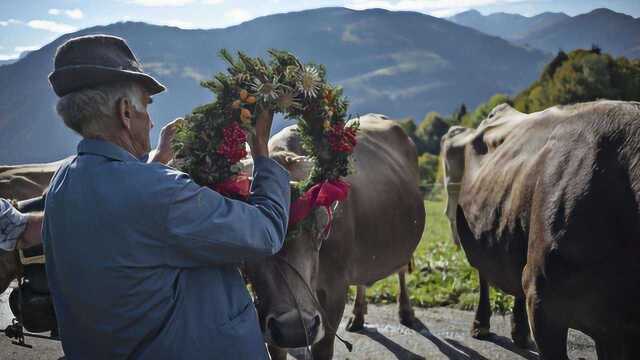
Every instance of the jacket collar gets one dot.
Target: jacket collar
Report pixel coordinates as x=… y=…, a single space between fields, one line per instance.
x=106 y=149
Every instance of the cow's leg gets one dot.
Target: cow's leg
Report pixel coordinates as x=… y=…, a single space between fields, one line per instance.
x=550 y=333
x=277 y=353
x=333 y=301
x=481 y=324
x=520 y=323
x=356 y=323
x=405 y=311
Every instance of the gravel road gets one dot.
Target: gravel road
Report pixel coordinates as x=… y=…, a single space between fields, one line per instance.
x=442 y=334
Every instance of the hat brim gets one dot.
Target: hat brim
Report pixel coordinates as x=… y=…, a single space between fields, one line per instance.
x=73 y=78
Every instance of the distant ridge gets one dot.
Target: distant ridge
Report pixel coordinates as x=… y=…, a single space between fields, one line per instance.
x=508 y=26
x=613 y=32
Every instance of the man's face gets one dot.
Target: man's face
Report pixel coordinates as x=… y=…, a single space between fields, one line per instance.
x=141 y=125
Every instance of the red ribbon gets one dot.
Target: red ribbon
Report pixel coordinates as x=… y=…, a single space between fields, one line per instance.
x=235 y=186
x=322 y=194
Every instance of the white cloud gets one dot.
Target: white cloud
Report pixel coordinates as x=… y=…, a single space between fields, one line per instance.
x=212 y=2
x=433 y=7
x=238 y=15
x=178 y=23
x=51 y=26
x=20 y=49
x=161 y=3
x=8 y=56
x=9 y=22
x=75 y=14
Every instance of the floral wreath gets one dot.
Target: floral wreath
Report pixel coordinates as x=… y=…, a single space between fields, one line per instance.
x=211 y=142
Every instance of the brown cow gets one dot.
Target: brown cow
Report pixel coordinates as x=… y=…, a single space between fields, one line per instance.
x=21 y=182
x=556 y=191
x=301 y=292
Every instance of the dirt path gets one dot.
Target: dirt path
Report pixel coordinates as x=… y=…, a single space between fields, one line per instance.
x=442 y=334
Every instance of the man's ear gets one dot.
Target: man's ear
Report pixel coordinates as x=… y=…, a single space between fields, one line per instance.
x=123 y=111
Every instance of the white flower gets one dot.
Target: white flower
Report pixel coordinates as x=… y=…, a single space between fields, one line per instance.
x=308 y=81
x=267 y=90
x=287 y=100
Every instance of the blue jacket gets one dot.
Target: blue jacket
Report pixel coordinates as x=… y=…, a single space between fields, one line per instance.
x=143 y=262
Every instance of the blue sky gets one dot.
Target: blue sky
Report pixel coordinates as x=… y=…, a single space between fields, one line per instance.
x=30 y=24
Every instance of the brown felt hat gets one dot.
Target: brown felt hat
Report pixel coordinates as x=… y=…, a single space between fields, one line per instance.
x=93 y=60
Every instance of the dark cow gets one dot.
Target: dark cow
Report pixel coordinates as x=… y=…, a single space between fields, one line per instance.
x=301 y=292
x=21 y=182
x=548 y=210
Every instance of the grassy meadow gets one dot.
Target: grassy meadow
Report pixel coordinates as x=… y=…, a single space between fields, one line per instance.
x=442 y=274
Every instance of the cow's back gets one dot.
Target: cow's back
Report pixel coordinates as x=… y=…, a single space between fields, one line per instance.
x=585 y=221
x=375 y=230
x=379 y=226
x=502 y=165
x=20 y=182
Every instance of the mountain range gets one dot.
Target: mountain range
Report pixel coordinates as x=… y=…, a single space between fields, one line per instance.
x=397 y=63
x=613 y=32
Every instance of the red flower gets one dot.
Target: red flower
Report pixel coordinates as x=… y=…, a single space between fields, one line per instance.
x=341 y=139
x=236 y=186
x=232 y=146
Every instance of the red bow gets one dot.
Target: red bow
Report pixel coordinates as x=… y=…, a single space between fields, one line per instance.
x=235 y=186
x=323 y=194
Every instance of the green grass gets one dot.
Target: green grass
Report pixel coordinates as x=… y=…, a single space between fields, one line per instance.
x=442 y=274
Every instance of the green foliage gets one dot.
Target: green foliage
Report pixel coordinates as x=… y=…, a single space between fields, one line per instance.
x=409 y=126
x=580 y=76
x=429 y=131
x=482 y=111
x=428 y=167
x=442 y=275
x=458 y=115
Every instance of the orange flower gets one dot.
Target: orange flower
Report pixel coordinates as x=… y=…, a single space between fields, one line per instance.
x=245 y=115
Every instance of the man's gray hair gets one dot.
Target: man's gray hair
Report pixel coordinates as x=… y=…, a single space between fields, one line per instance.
x=92 y=112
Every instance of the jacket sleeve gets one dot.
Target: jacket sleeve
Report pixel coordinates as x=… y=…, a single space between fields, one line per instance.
x=206 y=228
x=12 y=225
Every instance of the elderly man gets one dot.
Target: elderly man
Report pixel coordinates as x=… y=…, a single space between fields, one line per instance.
x=143 y=262
x=18 y=230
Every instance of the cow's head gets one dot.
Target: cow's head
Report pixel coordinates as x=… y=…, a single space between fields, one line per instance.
x=453 y=162
x=463 y=148
x=284 y=284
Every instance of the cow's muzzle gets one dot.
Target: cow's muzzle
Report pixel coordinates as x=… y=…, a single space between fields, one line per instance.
x=287 y=330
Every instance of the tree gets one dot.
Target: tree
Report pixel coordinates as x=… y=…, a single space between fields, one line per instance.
x=430 y=132
x=428 y=168
x=456 y=117
x=482 y=111
x=580 y=76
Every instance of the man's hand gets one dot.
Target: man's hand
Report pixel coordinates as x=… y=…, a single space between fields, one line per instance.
x=258 y=141
x=164 y=153
x=32 y=234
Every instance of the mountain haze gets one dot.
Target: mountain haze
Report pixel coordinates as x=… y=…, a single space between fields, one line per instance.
x=396 y=63
x=615 y=33
x=508 y=26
